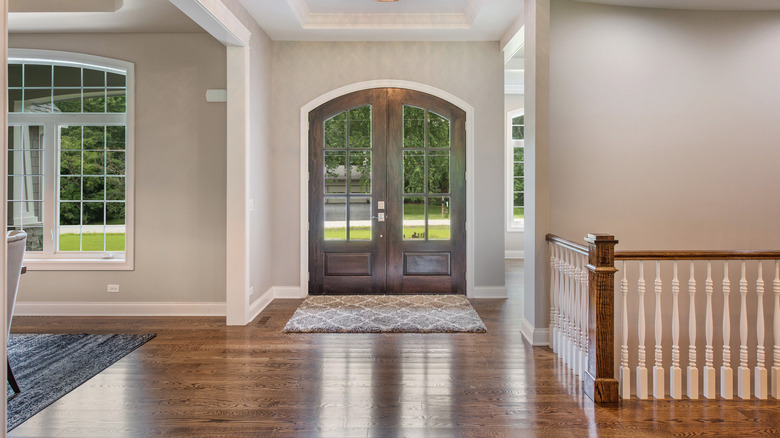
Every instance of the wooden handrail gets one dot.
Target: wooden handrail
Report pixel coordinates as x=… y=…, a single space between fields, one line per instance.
x=574 y=246
x=747 y=254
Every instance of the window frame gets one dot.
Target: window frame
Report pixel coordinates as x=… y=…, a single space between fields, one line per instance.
x=512 y=225
x=78 y=260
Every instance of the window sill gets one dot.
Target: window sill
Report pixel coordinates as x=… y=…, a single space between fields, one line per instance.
x=516 y=227
x=78 y=265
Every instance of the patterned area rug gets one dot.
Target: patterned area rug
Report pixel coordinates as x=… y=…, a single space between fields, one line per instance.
x=385 y=314
x=49 y=366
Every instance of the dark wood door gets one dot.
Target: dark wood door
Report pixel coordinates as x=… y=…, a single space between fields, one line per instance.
x=387 y=194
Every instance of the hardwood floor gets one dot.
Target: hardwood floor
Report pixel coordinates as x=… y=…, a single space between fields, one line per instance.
x=199 y=378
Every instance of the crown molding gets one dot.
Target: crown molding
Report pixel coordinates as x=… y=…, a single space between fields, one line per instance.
x=373 y=20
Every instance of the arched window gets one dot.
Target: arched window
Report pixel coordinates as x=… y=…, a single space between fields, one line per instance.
x=70 y=155
x=515 y=171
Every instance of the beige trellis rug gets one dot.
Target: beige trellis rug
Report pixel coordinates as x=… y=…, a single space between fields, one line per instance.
x=385 y=314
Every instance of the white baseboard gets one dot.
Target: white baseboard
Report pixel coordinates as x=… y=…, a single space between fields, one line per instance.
x=260 y=304
x=50 y=308
x=514 y=254
x=489 y=292
x=535 y=336
x=289 y=292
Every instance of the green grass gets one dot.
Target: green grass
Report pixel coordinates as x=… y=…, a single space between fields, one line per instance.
x=437 y=232
x=92 y=242
x=519 y=213
x=417 y=211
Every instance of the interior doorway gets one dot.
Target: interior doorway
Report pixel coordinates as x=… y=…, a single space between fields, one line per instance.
x=387 y=194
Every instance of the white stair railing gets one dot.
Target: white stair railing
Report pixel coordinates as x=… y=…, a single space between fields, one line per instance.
x=754 y=379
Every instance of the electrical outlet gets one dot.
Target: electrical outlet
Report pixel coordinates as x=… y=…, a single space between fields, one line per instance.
x=112 y=288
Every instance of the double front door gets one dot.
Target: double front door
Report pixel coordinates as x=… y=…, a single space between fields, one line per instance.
x=387 y=194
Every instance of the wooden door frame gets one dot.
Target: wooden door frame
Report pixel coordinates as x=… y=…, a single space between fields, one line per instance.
x=303 y=289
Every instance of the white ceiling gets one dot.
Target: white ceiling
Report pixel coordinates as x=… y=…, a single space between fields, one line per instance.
x=368 y=20
x=716 y=5
x=135 y=16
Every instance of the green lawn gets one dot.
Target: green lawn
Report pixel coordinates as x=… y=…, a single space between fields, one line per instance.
x=437 y=232
x=417 y=211
x=92 y=242
x=519 y=213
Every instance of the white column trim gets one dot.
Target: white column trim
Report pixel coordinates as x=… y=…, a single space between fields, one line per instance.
x=304 y=167
x=216 y=19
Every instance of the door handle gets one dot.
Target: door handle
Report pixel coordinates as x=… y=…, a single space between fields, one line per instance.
x=379 y=217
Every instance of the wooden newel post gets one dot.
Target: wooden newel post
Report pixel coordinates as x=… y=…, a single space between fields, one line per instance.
x=600 y=383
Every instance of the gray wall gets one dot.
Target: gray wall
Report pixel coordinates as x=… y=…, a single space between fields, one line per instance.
x=180 y=172
x=664 y=126
x=302 y=71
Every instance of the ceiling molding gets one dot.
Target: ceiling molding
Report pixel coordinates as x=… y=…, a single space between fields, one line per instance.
x=382 y=20
x=701 y=5
x=15 y=6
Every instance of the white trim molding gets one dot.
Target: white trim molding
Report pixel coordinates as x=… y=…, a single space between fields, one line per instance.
x=383 y=20
x=514 y=254
x=260 y=304
x=537 y=337
x=304 y=167
x=489 y=292
x=216 y=19
x=74 y=308
x=289 y=292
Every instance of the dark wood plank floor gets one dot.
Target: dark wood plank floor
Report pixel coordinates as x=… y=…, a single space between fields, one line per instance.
x=199 y=378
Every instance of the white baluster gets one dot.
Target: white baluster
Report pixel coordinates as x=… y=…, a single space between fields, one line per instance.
x=693 y=370
x=574 y=351
x=564 y=350
x=726 y=372
x=558 y=300
x=776 y=352
x=641 y=369
x=709 y=369
x=584 y=315
x=675 y=373
x=551 y=338
x=760 y=370
x=561 y=301
x=625 y=373
x=659 y=379
x=743 y=372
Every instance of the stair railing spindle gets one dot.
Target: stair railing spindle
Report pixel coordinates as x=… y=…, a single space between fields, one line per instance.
x=760 y=369
x=625 y=373
x=709 y=368
x=641 y=369
x=553 y=288
x=675 y=373
x=726 y=372
x=743 y=372
x=776 y=352
x=658 y=368
x=693 y=370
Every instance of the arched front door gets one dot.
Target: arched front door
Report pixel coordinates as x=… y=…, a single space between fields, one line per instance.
x=387 y=194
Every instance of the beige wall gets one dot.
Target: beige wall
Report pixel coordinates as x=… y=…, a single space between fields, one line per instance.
x=664 y=126
x=303 y=71
x=180 y=172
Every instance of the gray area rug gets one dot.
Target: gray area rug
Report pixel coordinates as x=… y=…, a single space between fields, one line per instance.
x=49 y=366
x=385 y=314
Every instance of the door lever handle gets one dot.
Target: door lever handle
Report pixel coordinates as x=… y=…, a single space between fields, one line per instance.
x=380 y=217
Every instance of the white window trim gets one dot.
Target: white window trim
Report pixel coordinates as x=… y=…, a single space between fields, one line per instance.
x=87 y=261
x=511 y=225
